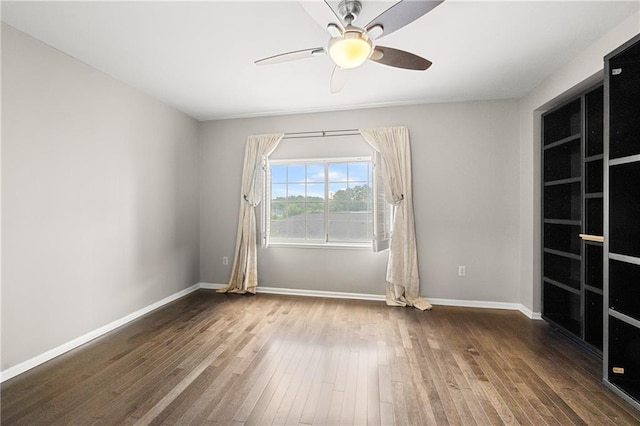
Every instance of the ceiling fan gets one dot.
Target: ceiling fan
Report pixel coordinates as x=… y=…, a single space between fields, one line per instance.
x=350 y=46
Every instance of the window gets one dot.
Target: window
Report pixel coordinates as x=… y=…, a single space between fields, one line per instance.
x=320 y=202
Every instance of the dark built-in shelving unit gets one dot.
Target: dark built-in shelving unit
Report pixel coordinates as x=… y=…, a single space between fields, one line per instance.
x=572 y=200
x=622 y=221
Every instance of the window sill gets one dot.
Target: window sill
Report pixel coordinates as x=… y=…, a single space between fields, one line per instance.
x=331 y=246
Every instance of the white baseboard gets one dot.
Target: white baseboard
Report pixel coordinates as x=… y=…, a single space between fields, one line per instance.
x=488 y=305
x=319 y=293
x=50 y=354
x=380 y=297
x=308 y=293
x=529 y=313
x=211 y=286
x=475 y=304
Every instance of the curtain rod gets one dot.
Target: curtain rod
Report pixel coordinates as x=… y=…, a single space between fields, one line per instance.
x=321 y=134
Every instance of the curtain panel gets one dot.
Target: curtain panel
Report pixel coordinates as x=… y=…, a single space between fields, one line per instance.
x=403 y=283
x=244 y=273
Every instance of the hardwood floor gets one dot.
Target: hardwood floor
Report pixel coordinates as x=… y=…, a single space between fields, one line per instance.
x=225 y=359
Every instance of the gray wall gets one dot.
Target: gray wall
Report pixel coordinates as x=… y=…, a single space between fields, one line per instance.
x=99 y=198
x=466 y=182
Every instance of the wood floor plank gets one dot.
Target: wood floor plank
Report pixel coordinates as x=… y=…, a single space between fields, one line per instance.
x=218 y=375
x=283 y=387
x=373 y=383
x=256 y=402
x=212 y=359
x=309 y=373
x=221 y=403
x=400 y=411
x=349 y=402
x=324 y=404
x=291 y=392
x=314 y=390
x=335 y=407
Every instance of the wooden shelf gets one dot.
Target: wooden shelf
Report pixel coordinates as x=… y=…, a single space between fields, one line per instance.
x=596 y=238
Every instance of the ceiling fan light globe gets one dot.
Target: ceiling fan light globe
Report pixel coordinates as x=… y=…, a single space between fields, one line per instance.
x=350 y=50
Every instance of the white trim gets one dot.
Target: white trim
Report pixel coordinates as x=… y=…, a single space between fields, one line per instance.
x=529 y=313
x=324 y=241
x=487 y=305
x=320 y=293
x=211 y=286
x=330 y=245
x=307 y=293
x=50 y=354
x=381 y=298
x=85 y=338
x=475 y=304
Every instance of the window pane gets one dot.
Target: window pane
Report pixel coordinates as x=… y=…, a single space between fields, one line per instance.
x=316 y=208
x=335 y=187
x=359 y=172
x=279 y=228
x=296 y=173
x=278 y=210
x=360 y=193
x=338 y=230
x=279 y=191
x=341 y=201
x=296 y=229
x=315 y=173
x=298 y=206
x=279 y=174
x=360 y=226
x=315 y=192
x=338 y=172
x=315 y=229
x=295 y=211
x=296 y=190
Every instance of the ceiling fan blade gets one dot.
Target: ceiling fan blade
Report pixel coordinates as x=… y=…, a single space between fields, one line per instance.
x=338 y=79
x=291 y=56
x=322 y=13
x=399 y=59
x=402 y=13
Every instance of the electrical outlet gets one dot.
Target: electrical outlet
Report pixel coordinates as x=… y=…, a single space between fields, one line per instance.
x=225 y=260
x=462 y=271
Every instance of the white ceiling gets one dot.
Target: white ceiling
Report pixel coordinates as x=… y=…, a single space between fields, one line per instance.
x=198 y=56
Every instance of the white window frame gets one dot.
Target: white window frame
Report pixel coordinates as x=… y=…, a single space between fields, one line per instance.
x=382 y=213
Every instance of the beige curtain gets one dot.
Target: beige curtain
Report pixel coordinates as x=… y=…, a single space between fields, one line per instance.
x=244 y=274
x=403 y=284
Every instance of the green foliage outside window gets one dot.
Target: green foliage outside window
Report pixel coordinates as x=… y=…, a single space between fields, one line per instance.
x=356 y=199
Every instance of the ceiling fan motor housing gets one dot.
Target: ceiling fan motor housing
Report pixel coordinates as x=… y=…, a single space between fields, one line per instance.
x=349 y=10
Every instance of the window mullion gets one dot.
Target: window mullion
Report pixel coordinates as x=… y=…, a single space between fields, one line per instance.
x=304 y=204
x=326 y=201
x=266 y=205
